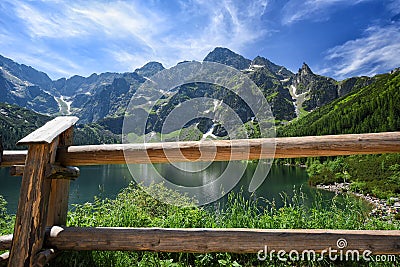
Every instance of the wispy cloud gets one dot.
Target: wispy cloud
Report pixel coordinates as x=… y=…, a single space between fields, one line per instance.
x=375 y=52
x=54 y=25
x=79 y=35
x=123 y=20
x=66 y=19
x=394 y=6
x=122 y=35
x=232 y=24
x=130 y=59
x=297 y=10
x=55 y=64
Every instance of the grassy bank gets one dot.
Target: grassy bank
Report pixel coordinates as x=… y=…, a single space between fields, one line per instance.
x=377 y=175
x=135 y=208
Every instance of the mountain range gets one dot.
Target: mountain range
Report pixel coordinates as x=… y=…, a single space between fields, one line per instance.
x=100 y=100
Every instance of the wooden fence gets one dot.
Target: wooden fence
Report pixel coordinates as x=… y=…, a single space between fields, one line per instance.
x=46 y=173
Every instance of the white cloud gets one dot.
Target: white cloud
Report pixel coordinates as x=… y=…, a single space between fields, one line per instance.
x=50 y=63
x=123 y=20
x=199 y=27
x=394 y=6
x=297 y=10
x=76 y=34
x=376 y=52
x=131 y=60
x=78 y=19
x=232 y=24
x=54 y=25
x=80 y=37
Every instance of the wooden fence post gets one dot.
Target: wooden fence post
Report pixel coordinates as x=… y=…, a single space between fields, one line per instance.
x=31 y=218
x=59 y=193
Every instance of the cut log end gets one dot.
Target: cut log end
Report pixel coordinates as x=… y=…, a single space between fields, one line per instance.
x=4 y=258
x=44 y=257
x=53 y=171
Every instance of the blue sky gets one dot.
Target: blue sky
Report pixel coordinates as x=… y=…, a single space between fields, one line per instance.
x=337 y=38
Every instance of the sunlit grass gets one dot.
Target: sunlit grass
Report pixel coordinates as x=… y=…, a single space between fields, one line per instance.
x=133 y=207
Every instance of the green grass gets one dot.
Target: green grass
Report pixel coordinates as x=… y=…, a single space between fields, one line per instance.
x=133 y=207
x=6 y=220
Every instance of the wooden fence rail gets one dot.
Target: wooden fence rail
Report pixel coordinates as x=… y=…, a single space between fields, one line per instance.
x=221 y=150
x=46 y=170
x=205 y=240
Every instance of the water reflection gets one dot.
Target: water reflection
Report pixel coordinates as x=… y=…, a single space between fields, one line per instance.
x=108 y=180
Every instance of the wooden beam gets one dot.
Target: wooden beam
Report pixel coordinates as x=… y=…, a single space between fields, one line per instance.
x=17 y=170
x=13 y=157
x=48 y=132
x=59 y=194
x=224 y=150
x=287 y=147
x=234 y=240
x=58 y=172
x=30 y=223
x=54 y=171
x=44 y=257
x=5 y=242
x=4 y=258
x=203 y=240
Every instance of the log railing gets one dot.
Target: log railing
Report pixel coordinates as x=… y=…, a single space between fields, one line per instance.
x=46 y=169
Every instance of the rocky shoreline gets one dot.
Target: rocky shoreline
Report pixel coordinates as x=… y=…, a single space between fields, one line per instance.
x=386 y=209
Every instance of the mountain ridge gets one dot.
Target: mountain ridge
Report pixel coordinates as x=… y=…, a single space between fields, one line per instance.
x=104 y=95
x=368 y=109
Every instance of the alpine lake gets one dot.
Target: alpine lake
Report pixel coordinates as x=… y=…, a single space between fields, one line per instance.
x=106 y=181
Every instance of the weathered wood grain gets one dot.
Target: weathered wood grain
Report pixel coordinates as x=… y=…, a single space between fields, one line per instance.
x=59 y=194
x=44 y=257
x=13 y=157
x=17 y=170
x=30 y=223
x=204 y=240
x=224 y=150
x=5 y=242
x=58 y=172
x=221 y=150
x=48 y=132
x=55 y=172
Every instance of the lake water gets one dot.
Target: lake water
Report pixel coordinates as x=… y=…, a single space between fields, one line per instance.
x=108 y=180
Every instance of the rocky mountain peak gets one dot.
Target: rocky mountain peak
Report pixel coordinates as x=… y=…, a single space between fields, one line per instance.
x=304 y=77
x=305 y=69
x=258 y=60
x=107 y=94
x=314 y=89
x=228 y=57
x=280 y=71
x=25 y=73
x=149 y=69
